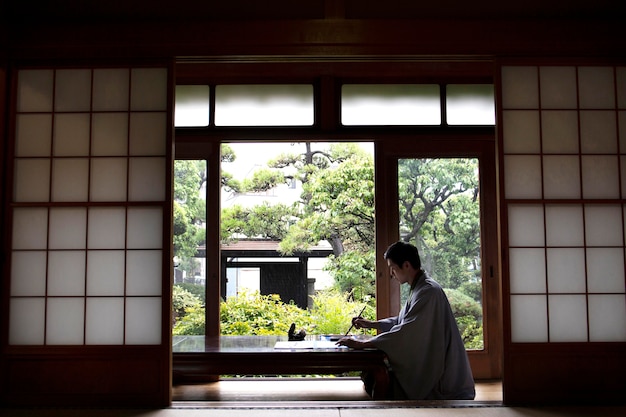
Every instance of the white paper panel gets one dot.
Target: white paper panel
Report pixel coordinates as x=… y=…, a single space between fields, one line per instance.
x=72 y=90
x=529 y=319
x=607 y=318
x=109 y=134
x=566 y=270
x=110 y=89
x=145 y=228
x=520 y=88
x=559 y=131
x=561 y=176
x=28 y=273
x=598 y=132
x=527 y=270
x=33 y=135
x=65 y=321
x=148 y=89
x=105 y=272
x=107 y=228
x=564 y=225
x=34 y=90
x=147 y=133
x=66 y=273
x=558 y=87
x=568 y=318
x=70 y=178
x=603 y=225
x=605 y=270
x=600 y=176
x=108 y=179
x=147 y=179
x=521 y=131
x=596 y=87
x=68 y=228
x=522 y=176
x=27 y=321
x=30 y=227
x=105 y=321
x=526 y=225
x=143 y=320
x=32 y=180
x=144 y=272
x=71 y=134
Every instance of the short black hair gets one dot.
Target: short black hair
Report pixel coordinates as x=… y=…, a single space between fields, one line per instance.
x=400 y=252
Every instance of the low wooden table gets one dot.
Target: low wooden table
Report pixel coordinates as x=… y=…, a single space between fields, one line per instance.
x=256 y=355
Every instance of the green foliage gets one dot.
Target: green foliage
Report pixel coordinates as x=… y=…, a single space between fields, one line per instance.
x=263 y=221
x=332 y=312
x=463 y=305
x=263 y=180
x=354 y=274
x=196 y=289
x=182 y=299
x=192 y=323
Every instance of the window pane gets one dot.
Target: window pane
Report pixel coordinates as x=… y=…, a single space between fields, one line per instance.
x=398 y=104
x=192 y=105
x=264 y=105
x=470 y=104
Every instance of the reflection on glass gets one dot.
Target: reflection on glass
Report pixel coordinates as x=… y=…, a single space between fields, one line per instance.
x=439 y=211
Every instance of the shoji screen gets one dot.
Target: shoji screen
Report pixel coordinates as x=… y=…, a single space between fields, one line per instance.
x=563 y=146
x=90 y=257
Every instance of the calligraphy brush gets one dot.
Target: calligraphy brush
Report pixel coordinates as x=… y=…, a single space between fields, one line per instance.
x=352 y=325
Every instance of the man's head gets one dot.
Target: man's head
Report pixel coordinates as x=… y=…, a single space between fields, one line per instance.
x=401 y=252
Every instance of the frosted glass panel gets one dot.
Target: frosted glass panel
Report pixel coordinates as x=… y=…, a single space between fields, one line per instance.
x=522 y=176
x=564 y=225
x=110 y=134
x=597 y=89
x=526 y=226
x=561 y=177
x=598 y=132
x=145 y=228
x=558 y=87
x=264 y=105
x=527 y=270
x=144 y=272
x=529 y=319
x=32 y=180
x=406 y=104
x=148 y=89
x=73 y=90
x=110 y=89
x=605 y=270
x=65 y=321
x=568 y=318
x=148 y=133
x=107 y=228
x=66 y=273
x=34 y=90
x=521 y=132
x=70 y=179
x=600 y=177
x=520 y=88
x=192 y=105
x=143 y=320
x=68 y=228
x=566 y=270
x=30 y=226
x=470 y=104
x=33 y=134
x=28 y=273
x=105 y=273
x=71 y=134
x=147 y=179
x=27 y=321
x=607 y=318
x=105 y=321
x=603 y=225
x=108 y=179
x=559 y=131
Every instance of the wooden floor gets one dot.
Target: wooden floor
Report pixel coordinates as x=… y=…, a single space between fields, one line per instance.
x=296 y=389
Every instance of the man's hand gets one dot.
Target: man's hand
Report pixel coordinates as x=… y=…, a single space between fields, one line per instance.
x=354 y=343
x=361 y=323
